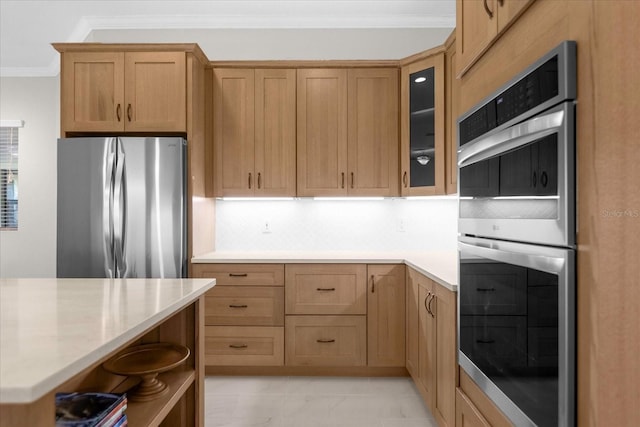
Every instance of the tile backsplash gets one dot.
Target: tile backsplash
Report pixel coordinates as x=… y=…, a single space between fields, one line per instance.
x=343 y=225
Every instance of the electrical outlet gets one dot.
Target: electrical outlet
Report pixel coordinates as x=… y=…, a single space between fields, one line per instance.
x=266 y=227
x=401 y=225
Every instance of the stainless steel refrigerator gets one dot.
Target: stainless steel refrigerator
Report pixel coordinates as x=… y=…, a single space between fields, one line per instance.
x=121 y=207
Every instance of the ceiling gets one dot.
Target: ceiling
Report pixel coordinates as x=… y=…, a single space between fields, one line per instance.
x=27 y=28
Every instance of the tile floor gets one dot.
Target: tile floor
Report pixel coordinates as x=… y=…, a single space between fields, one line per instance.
x=314 y=402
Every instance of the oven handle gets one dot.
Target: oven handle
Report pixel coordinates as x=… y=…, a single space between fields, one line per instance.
x=511 y=138
x=550 y=260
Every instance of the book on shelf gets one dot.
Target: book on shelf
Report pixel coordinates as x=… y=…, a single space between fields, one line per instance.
x=90 y=409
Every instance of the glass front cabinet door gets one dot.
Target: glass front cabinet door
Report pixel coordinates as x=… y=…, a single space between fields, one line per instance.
x=423 y=120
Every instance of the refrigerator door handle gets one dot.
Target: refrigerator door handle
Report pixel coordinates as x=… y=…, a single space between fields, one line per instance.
x=107 y=208
x=120 y=212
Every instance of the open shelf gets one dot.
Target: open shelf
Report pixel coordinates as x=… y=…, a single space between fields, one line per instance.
x=153 y=412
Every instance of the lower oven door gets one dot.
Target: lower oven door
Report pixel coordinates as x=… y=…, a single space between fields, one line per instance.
x=516 y=327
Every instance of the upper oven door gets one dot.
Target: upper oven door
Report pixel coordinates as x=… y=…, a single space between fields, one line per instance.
x=518 y=183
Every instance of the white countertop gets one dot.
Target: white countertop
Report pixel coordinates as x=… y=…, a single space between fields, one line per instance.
x=52 y=329
x=441 y=266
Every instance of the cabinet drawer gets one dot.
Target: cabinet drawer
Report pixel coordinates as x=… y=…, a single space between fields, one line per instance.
x=326 y=289
x=326 y=340
x=244 y=305
x=242 y=274
x=244 y=345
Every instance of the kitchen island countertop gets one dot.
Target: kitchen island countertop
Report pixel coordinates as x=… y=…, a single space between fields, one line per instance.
x=441 y=266
x=52 y=329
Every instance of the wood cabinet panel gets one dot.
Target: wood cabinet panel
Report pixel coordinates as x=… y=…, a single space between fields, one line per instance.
x=427 y=343
x=452 y=102
x=322 y=132
x=242 y=274
x=92 y=91
x=245 y=305
x=326 y=289
x=445 y=309
x=479 y=23
x=373 y=132
x=234 y=138
x=386 y=315
x=480 y=403
x=244 y=345
x=412 y=325
x=467 y=415
x=326 y=340
x=275 y=132
x=155 y=91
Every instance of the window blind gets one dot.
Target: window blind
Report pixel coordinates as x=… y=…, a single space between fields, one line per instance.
x=9 y=173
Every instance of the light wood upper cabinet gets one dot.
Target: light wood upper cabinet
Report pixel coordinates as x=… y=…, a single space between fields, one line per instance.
x=386 y=315
x=275 y=127
x=254 y=132
x=347 y=132
x=422 y=109
x=373 y=132
x=478 y=23
x=234 y=137
x=155 y=91
x=124 y=91
x=322 y=132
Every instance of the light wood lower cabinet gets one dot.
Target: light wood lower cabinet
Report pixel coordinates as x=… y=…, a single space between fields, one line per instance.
x=386 y=315
x=246 y=305
x=432 y=363
x=244 y=314
x=467 y=415
x=326 y=289
x=326 y=340
x=244 y=345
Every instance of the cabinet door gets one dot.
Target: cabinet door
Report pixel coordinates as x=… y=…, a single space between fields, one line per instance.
x=322 y=132
x=275 y=132
x=509 y=10
x=373 y=132
x=155 y=91
x=386 y=315
x=427 y=342
x=422 y=130
x=476 y=26
x=444 y=307
x=412 y=325
x=93 y=91
x=233 y=139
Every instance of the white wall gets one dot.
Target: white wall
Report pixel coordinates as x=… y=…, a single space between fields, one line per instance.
x=344 y=225
x=30 y=251
x=266 y=44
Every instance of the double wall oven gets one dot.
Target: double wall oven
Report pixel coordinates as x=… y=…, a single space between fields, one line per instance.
x=516 y=297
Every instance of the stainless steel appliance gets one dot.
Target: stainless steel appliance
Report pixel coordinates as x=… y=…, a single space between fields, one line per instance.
x=121 y=207
x=516 y=297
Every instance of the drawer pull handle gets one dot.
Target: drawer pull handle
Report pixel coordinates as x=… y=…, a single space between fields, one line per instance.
x=325 y=289
x=237 y=274
x=129 y=112
x=485 y=341
x=238 y=306
x=433 y=296
x=118 y=112
x=485 y=289
x=238 y=346
x=373 y=284
x=325 y=341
